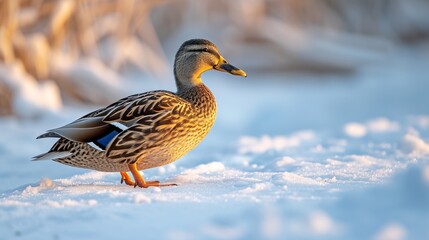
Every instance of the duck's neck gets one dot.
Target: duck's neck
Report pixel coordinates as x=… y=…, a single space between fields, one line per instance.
x=191 y=87
x=186 y=76
x=184 y=85
x=194 y=91
x=196 y=94
x=202 y=99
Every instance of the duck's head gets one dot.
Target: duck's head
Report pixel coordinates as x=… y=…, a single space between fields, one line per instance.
x=196 y=56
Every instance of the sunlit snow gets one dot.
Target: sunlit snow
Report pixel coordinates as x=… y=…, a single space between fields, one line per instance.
x=344 y=158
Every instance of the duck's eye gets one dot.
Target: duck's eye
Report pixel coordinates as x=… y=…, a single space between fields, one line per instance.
x=205 y=49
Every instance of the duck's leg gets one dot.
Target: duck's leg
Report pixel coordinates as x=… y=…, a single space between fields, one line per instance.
x=139 y=180
x=127 y=179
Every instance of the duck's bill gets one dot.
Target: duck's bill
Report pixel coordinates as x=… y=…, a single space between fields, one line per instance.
x=226 y=67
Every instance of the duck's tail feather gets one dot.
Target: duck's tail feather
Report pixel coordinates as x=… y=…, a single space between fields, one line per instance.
x=51 y=156
x=49 y=135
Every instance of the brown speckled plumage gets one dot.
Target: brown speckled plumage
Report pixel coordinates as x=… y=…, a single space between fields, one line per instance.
x=159 y=126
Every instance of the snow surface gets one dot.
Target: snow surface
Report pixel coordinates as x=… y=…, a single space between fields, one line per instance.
x=31 y=98
x=343 y=157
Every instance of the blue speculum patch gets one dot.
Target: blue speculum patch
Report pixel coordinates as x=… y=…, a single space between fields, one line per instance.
x=105 y=140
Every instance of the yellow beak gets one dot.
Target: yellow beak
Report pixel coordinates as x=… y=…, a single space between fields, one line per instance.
x=224 y=66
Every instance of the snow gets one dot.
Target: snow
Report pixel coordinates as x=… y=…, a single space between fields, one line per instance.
x=297 y=179
x=286 y=160
x=426 y=173
x=381 y=125
x=416 y=146
x=31 y=98
x=80 y=78
x=378 y=125
x=393 y=231
x=346 y=157
x=265 y=143
x=421 y=121
x=355 y=130
x=321 y=224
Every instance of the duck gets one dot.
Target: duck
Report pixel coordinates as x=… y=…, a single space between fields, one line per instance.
x=149 y=129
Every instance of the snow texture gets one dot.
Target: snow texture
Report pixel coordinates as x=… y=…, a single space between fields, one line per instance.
x=31 y=98
x=341 y=158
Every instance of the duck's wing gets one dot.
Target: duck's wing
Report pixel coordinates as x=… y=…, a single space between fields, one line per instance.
x=91 y=126
x=103 y=125
x=157 y=116
x=81 y=130
x=155 y=104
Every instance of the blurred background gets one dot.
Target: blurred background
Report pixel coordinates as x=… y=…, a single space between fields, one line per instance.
x=335 y=104
x=59 y=52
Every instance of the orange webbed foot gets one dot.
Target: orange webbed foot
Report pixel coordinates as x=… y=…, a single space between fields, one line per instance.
x=155 y=184
x=127 y=179
x=139 y=180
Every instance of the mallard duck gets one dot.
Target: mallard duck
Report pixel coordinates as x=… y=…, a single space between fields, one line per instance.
x=149 y=129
